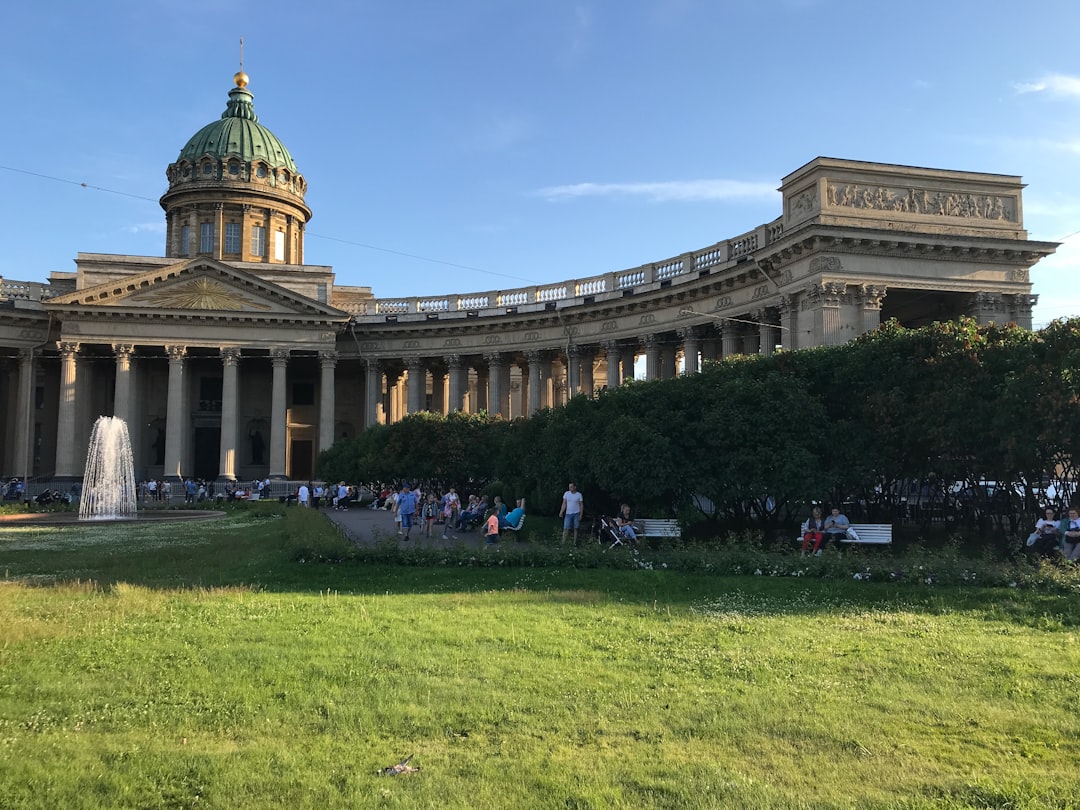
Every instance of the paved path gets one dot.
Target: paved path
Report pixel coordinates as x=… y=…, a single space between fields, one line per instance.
x=366 y=526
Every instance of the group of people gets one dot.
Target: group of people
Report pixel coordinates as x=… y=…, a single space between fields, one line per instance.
x=412 y=507
x=1053 y=537
x=820 y=531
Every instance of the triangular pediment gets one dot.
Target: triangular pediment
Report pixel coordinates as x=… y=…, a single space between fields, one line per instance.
x=202 y=287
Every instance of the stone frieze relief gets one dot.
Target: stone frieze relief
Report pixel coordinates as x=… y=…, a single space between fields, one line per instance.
x=963 y=205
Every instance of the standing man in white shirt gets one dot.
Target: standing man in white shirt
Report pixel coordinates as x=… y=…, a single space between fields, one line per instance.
x=573 y=507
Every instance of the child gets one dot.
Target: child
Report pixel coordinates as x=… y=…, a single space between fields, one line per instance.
x=431 y=509
x=491 y=529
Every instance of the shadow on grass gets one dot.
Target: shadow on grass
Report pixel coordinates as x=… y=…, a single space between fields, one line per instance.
x=282 y=550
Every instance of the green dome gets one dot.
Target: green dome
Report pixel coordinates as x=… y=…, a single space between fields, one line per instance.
x=238 y=133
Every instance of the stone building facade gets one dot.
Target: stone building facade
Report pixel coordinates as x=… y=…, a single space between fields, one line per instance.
x=232 y=359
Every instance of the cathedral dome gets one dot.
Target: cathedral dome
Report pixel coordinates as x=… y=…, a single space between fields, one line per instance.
x=238 y=133
x=235 y=192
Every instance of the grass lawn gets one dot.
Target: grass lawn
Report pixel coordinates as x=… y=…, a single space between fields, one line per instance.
x=203 y=665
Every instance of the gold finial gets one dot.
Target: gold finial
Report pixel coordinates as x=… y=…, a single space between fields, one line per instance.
x=241 y=78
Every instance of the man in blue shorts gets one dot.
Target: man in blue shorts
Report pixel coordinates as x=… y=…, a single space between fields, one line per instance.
x=573 y=506
x=406 y=504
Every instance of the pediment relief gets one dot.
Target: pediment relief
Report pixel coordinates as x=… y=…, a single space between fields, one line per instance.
x=201 y=286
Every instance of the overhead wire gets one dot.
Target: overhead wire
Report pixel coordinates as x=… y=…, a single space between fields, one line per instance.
x=309 y=233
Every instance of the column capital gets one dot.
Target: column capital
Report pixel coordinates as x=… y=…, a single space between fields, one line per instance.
x=871 y=295
x=495 y=359
x=123 y=349
x=176 y=353
x=230 y=355
x=280 y=357
x=534 y=356
x=453 y=361
x=688 y=332
x=27 y=354
x=649 y=342
x=68 y=347
x=414 y=363
x=328 y=358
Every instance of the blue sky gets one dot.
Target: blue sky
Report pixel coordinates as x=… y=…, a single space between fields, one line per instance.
x=488 y=144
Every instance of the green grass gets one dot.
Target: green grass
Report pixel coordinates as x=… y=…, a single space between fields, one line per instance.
x=204 y=665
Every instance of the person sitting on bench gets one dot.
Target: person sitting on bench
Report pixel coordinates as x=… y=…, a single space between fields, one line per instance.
x=813 y=529
x=625 y=521
x=514 y=516
x=836 y=527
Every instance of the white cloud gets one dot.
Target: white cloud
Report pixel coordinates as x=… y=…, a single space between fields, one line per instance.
x=145 y=227
x=1055 y=84
x=672 y=191
x=578 y=30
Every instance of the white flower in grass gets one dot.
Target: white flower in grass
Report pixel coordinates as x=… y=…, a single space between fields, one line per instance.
x=757 y=573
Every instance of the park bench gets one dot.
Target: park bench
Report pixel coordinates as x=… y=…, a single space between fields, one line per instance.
x=514 y=527
x=877 y=534
x=658 y=527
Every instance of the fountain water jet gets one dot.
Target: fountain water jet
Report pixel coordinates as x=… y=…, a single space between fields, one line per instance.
x=109 y=481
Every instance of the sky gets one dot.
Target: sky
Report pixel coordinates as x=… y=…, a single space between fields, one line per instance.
x=479 y=145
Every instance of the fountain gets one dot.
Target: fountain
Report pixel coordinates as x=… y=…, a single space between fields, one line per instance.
x=109 y=481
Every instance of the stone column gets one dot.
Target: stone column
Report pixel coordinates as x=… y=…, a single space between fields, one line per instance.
x=629 y=355
x=691 y=347
x=871 y=296
x=831 y=296
x=122 y=388
x=438 y=391
x=1021 y=309
x=788 y=314
x=219 y=230
x=417 y=385
x=394 y=406
x=23 y=430
x=174 y=417
x=573 y=371
x=66 y=441
x=496 y=384
x=729 y=337
x=588 y=386
x=192 y=247
x=456 y=370
x=327 y=362
x=652 y=357
x=230 y=401
x=752 y=336
x=611 y=360
x=534 y=358
x=987 y=308
x=547 y=381
x=372 y=392
x=279 y=414
x=669 y=360
x=483 y=381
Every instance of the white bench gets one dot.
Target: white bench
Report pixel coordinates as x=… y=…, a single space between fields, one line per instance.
x=877 y=534
x=657 y=527
x=513 y=527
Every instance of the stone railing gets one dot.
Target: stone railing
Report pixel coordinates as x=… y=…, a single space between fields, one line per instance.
x=24 y=290
x=499 y=301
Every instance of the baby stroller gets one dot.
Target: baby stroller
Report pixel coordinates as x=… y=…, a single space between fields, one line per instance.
x=610 y=533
